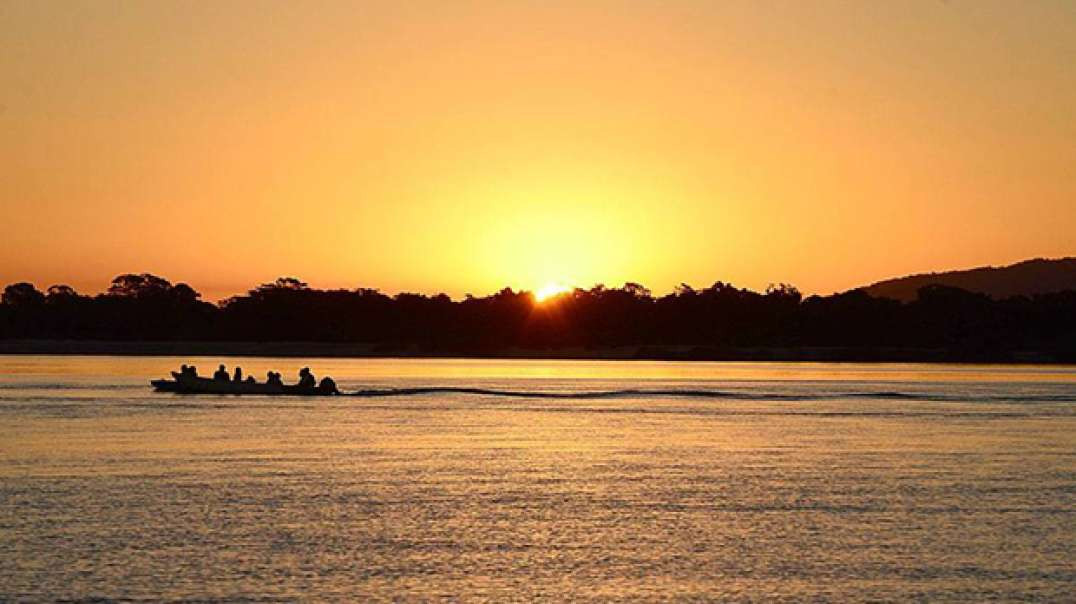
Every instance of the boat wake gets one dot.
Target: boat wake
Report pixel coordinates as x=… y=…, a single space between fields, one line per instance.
x=631 y=393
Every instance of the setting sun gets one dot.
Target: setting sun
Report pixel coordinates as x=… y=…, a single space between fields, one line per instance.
x=550 y=290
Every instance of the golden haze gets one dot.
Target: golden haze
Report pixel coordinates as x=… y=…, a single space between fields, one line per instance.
x=462 y=147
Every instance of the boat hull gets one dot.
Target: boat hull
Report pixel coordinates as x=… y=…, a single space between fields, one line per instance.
x=210 y=386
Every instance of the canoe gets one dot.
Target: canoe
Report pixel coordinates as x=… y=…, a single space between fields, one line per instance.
x=201 y=385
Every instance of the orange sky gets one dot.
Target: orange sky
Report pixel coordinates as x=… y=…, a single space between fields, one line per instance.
x=464 y=146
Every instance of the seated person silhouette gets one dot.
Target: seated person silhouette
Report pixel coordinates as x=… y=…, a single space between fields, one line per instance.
x=327 y=386
x=221 y=374
x=185 y=372
x=272 y=378
x=306 y=379
x=238 y=376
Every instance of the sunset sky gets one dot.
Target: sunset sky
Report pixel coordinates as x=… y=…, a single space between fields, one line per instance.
x=466 y=146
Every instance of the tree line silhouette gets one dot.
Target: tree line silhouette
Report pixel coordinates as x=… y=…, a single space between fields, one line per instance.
x=954 y=323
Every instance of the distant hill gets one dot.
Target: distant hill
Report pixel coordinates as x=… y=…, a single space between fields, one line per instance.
x=1038 y=276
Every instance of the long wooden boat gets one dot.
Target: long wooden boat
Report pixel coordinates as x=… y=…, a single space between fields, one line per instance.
x=183 y=384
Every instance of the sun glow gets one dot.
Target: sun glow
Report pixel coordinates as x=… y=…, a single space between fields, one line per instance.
x=550 y=290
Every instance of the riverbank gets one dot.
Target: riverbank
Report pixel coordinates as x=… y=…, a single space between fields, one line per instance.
x=648 y=352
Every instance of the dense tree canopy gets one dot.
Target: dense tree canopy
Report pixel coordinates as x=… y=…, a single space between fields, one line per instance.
x=961 y=324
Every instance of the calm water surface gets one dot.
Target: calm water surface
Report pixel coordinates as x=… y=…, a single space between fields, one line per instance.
x=659 y=481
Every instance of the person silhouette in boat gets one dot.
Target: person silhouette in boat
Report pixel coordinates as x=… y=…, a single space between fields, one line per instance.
x=327 y=386
x=306 y=379
x=272 y=378
x=185 y=372
x=237 y=377
x=221 y=374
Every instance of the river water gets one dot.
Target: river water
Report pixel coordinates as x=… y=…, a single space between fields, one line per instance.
x=524 y=480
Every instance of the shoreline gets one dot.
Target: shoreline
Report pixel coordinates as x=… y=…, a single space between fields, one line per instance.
x=633 y=352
